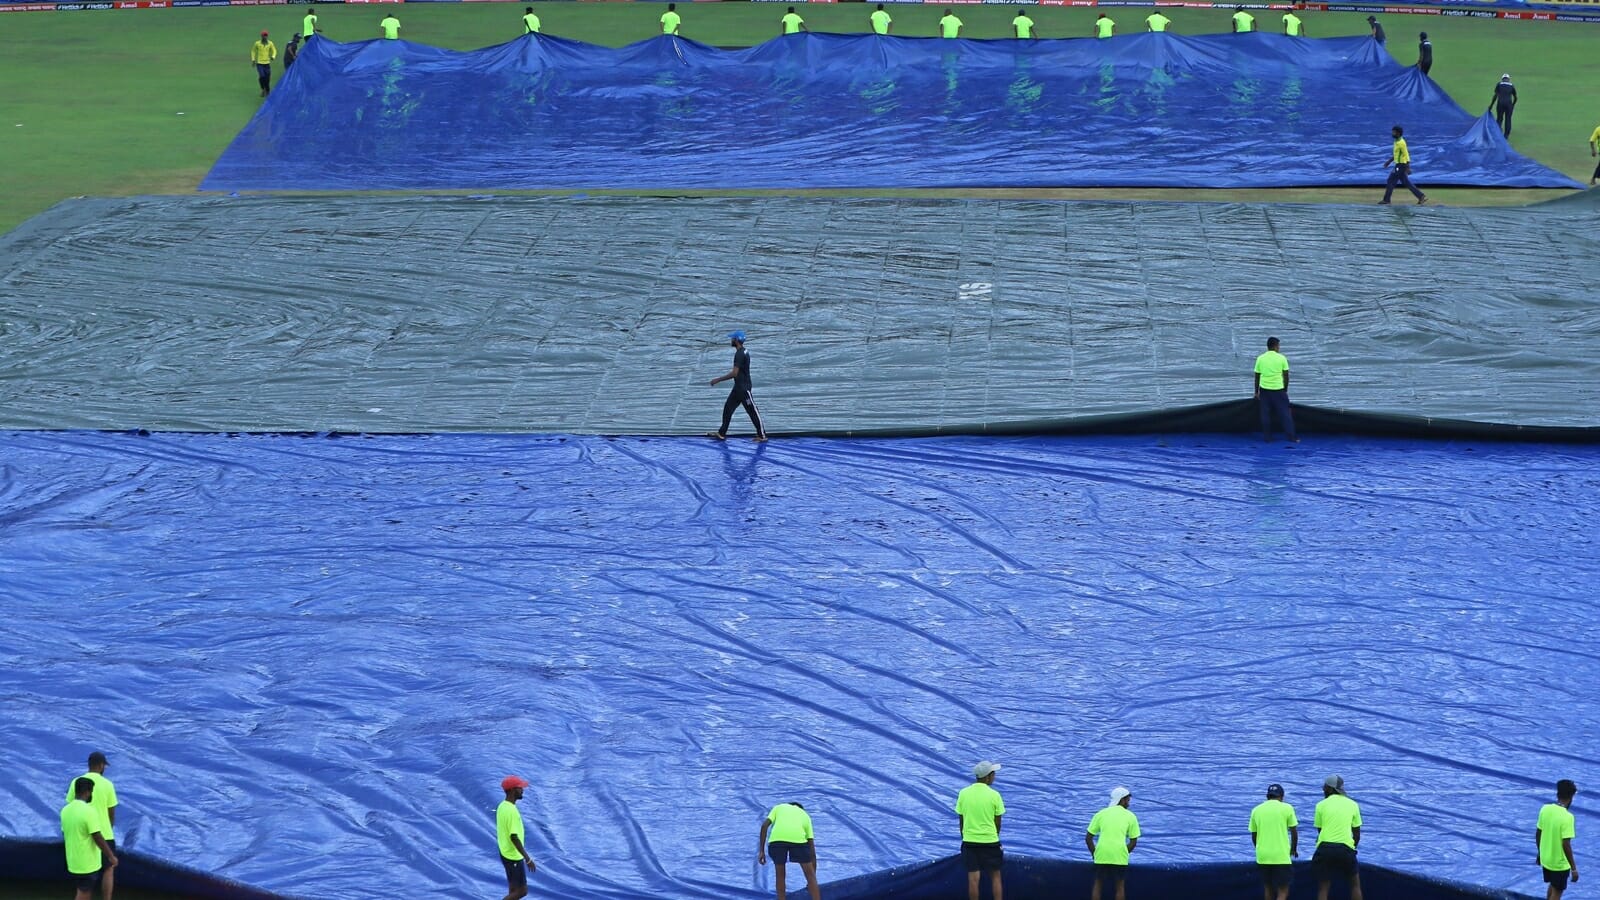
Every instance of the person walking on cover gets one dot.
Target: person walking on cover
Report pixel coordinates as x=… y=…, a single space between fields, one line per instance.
x=1243 y=22
x=792 y=23
x=262 y=53
x=1424 y=53
x=1400 y=173
x=1554 y=836
x=1117 y=831
x=740 y=395
x=670 y=20
x=104 y=804
x=1104 y=27
x=1503 y=103
x=509 y=834
x=1338 y=823
x=1272 y=392
x=87 y=850
x=530 y=21
x=881 y=22
x=1276 y=836
x=791 y=839
x=949 y=25
x=979 y=810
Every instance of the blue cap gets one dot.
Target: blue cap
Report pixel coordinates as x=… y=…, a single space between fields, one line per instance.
x=736 y=336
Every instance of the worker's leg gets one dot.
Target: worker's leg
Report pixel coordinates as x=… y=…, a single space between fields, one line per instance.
x=755 y=416
x=735 y=398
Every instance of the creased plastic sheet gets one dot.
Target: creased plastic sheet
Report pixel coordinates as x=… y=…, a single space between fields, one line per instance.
x=337 y=647
x=830 y=110
x=609 y=315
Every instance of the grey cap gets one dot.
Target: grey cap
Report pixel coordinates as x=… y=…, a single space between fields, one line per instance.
x=1334 y=782
x=1117 y=793
x=984 y=769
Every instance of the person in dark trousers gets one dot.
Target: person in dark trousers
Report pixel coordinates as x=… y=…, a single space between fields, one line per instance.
x=1272 y=391
x=1400 y=159
x=1503 y=102
x=1424 y=53
x=1553 y=835
x=290 y=51
x=262 y=53
x=740 y=395
x=509 y=832
x=1377 y=30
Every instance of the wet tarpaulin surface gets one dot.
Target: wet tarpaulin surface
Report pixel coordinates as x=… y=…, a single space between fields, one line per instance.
x=609 y=315
x=338 y=646
x=828 y=110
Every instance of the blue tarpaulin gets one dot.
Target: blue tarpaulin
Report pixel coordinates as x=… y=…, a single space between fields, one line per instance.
x=827 y=110
x=311 y=660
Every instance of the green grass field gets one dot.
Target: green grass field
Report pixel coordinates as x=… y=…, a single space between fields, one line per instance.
x=93 y=98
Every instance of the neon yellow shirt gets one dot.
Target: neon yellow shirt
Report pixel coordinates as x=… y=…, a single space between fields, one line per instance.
x=1595 y=138
x=977 y=805
x=1023 y=25
x=1336 y=819
x=309 y=26
x=792 y=23
x=1270 y=823
x=670 y=22
x=1104 y=27
x=391 y=28
x=1556 y=824
x=1402 y=155
x=105 y=797
x=263 y=52
x=508 y=822
x=880 y=22
x=1243 y=22
x=1114 y=825
x=950 y=26
x=1157 y=22
x=530 y=23
x=1291 y=24
x=1270 y=366
x=77 y=827
x=790 y=824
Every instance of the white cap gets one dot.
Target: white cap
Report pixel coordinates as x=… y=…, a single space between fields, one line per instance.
x=1506 y=77
x=984 y=770
x=1117 y=793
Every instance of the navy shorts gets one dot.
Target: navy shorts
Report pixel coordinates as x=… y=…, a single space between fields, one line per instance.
x=788 y=851
x=1557 y=880
x=1333 y=859
x=87 y=882
x=1109 y=872
x=516 y=872
x=1276 y=877
x=982 y=857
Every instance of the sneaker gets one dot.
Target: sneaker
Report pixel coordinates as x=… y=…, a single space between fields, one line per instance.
x=1383 y=203
x=1422 y=202
x=715 y=436
x=760 y=439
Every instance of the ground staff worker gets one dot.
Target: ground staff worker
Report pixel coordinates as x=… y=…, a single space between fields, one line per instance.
x=1594 y=151
x=881 y=22
x=1104 y=27
x=1503 y=103
x=791 y=23
x=1338 y=823
x=262 y=53
x=670 y=20
x=1424 y=53
x=1243 y=22
x=1276 y=835
x=308 y=26
x=1022 y=27
x=530 y=21
x=1157 y=23
x=87 y=850
x=104 y=804
x=1272 y=392
x=509 y=834
x=1554 y=837
x=979 y=810
x=741 y=393
x=391 y=27
x=788 y=826
x=1400 y=159
x=949 y=25
x=1292 y=26
x=1117 y=830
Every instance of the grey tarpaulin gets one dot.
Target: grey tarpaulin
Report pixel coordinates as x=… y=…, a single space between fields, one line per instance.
x=607 y=315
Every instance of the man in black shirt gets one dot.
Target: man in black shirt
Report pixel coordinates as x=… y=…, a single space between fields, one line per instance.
x=1377 y=30
x=1424 y=53
x=740 y=395
x=1505 y=100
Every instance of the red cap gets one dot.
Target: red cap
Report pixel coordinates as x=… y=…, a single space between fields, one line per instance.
x=263 y=34
x=512 y=781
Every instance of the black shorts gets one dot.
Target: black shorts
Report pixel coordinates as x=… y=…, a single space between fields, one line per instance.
x=788 y=851
x=982 y=857
x=1557 y=880
x=87 y=882
x=1275 y=877
x=1109 y=872
x=516 y=872
x=1333 y=859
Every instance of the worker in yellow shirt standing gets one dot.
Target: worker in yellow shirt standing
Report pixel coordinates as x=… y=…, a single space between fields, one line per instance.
x=1292 y=26
x=390 y=27
x=308 y=26
x=1272 y=391
x=670 y=20
x=262 y=53
x=87 y=850
x=1157 y=23
x=1243 y=22
x=881 y=23
x=1022 y=27
x=1400 y=159
x=530 y=21
x=1338 y=822
x=979 y=810
x=509 y=834
x=1554 y=835
x=1104 y=27
x=950 y=26
x=104 y=804
x=1112 y=835
x=1594 y=151
x=792 y=23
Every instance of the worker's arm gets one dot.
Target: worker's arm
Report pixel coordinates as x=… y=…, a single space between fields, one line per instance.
x=1566 y=847
x=1088 y=840
x=1355 y=833
x=961 y=823
x=812 y=844
x=517 y=843
x=1538 y=845
x=1258 y=394
x=732 y=373
x=1286 y=379
x=761 y=843
x=997 y=825
x=111 y=815
x=1294 y=841
x=105 y=848
x=1132 y=843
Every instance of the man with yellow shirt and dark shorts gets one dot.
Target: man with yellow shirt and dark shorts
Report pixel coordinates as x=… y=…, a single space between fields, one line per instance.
x=509 y=834
x=87 y=850
x=979 y=810
x=1554 y=835
x=1594 y=150
x=1338 y=823
x=1400 y=160
x=788 y=826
